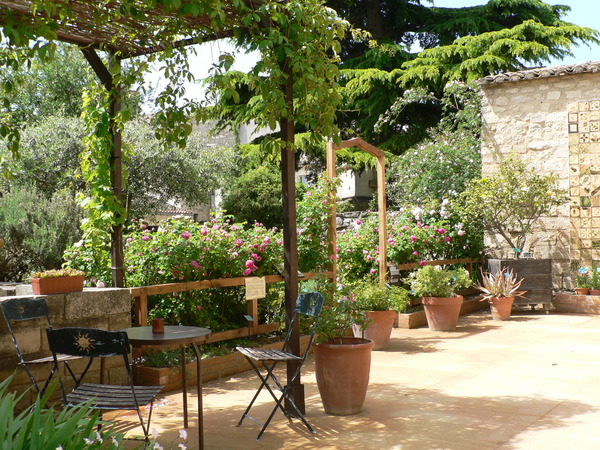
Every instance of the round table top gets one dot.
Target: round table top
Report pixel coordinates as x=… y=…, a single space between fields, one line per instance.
x=174 y=334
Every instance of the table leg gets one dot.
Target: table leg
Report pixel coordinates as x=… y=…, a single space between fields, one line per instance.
x=184 y=387
x=199 y=380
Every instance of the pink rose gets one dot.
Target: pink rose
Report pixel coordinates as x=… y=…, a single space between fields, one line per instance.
x=186 y=235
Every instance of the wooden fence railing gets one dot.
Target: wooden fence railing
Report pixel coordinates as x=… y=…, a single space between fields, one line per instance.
x=140 y=295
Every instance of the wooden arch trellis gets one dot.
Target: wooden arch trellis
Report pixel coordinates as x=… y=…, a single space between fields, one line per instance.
x=381 y=203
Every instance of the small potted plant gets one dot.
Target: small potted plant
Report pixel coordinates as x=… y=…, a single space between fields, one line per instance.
x=595 y=282
x=500 y=289
x=57 y=281
x=342 y=362
x=437 y=288
x=582 y=281
x=381 y=304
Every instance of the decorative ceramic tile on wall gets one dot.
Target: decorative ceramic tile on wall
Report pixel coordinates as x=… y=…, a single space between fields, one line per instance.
x=583 y=128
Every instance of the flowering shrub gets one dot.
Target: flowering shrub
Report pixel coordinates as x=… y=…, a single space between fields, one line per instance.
x=435 y=281
x=415 y=234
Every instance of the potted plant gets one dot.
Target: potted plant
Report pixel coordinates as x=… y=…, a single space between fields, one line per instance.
x=342 y=362
x=437 y=288
x=381 y=304
x=500 y=289
x=595 y=282
x=582 y=281
x=57 y=281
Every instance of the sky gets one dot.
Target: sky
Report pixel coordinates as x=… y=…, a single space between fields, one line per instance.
x=583 y=13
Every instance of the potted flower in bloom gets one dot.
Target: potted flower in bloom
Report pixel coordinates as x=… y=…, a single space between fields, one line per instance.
x=500 y=289
x=57 y=281
x=437 y=288
x=342 y=362
x=582 y=281
x=381 y=304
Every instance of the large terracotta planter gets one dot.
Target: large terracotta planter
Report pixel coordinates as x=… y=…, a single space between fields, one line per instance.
x=380 y=330
x=501 y=307
x=442 y=312
x=594 y=291
x=57 y=285
x=343 y=372
x=582 y=291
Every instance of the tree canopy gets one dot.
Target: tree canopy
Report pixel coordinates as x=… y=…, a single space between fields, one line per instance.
x=414 y=45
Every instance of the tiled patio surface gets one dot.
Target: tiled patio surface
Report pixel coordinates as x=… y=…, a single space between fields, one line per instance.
x=530 y=383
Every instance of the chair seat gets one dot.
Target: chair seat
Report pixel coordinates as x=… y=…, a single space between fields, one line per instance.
x=50 y=359
x=268 y=354
x=106 y=396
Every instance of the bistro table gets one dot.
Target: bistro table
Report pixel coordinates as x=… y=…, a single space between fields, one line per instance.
x=181 y=336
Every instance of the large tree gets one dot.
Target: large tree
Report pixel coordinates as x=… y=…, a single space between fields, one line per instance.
x=415 y=44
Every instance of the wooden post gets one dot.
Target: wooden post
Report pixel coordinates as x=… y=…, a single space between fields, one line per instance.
x=290 y=234
x=332 y=219
x=381 y=206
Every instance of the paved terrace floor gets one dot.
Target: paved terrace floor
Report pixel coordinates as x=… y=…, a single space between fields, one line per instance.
x=529 y=383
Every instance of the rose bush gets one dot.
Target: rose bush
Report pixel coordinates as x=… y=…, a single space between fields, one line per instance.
x=436 y=231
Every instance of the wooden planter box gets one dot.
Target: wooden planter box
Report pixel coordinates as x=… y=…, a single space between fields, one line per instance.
x=57 y=285
x=580 y=304
x=537 y=275
x=212 y=369
x=418 y=319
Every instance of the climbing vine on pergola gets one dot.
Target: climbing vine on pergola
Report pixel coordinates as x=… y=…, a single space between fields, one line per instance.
x=298 y=40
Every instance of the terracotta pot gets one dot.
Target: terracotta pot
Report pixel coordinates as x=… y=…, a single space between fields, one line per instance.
x=501 y=307
x=442 y=312
x=58 y=285
x=594 y=291
x=342 y=372
x=380 y=330
x=582 y=291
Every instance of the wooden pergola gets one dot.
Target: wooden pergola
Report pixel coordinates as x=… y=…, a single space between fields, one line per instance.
x=126 y=37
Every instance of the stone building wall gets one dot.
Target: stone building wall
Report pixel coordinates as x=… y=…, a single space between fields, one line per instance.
x=551 y=118
x=108 y=309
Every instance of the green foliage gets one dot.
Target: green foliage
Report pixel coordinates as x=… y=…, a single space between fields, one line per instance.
x=371 y=296
x=255 y=196
x=435 y=281
x=595 y=281
x=582 y=279
x=510 y=201
x=338 y=315
x=185 y=176
x=441 y=165
x=49 y=158
x=312 y=212
x=58 y=273
x=36 y=231
x=44 y=428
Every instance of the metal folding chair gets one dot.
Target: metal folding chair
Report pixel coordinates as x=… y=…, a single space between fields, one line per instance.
x=20 y=309
x=308 y=304
x=93 y=343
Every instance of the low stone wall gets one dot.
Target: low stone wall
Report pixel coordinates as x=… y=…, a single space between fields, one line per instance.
x=108 y=309
x=579 y=304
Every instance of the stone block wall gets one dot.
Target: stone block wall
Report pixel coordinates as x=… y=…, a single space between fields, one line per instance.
x=108 y=309
x=533 y=118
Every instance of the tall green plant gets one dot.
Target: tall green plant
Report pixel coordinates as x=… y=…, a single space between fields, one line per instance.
x=36 y=231
x=43 y=428
x=512 y=200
